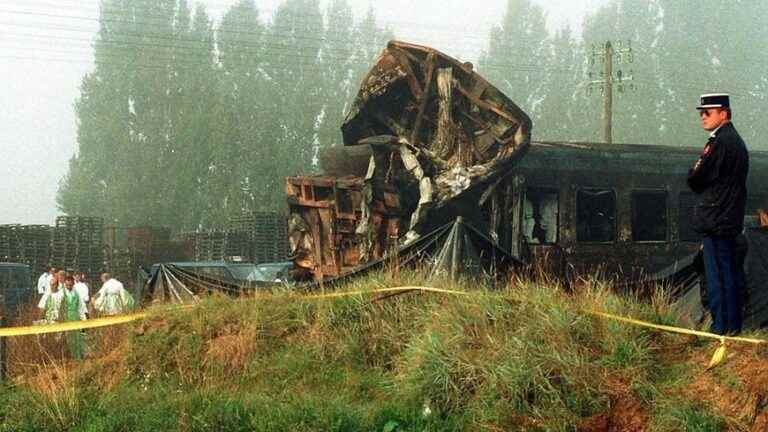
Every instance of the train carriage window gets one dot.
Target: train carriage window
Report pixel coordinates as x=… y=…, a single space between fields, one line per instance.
x=649 y=215
x=541 y=216
x=596 y=215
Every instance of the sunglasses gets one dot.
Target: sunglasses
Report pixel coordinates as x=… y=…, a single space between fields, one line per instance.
x=706 y=112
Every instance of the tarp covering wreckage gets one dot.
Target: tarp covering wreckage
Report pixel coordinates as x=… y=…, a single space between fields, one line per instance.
x=453 y=249
x=437 y=140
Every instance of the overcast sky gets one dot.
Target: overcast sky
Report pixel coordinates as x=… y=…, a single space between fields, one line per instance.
x=46 y=51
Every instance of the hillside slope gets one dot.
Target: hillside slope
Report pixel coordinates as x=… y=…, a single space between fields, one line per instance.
x=522 y=358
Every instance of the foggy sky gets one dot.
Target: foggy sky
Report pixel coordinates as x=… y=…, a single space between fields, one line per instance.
x=44 y=57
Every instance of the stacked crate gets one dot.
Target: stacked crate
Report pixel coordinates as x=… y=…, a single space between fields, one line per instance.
x=210 y=246
x=270 y=237
x=26 y=244
x=35 y=247
x=10 y=243
x=240 y=235
x=78 y=244
x=239 y=245
x=122 y=265
x=147 y=241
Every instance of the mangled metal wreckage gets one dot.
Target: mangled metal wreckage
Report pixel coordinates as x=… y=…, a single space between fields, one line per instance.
x=427 y=142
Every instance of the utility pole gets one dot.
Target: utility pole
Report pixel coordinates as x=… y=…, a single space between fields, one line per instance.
x=606 y=54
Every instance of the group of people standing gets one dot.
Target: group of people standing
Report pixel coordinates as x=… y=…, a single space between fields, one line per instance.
x=65 y=297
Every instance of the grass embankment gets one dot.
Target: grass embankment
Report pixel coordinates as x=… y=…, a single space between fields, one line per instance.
x=522 y=358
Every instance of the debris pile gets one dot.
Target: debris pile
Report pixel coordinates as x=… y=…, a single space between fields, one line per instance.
x=428 y=140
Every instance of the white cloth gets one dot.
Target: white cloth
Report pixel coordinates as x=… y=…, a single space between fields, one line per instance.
x=82 y=291
x=43 y=283
x=111 y=298
x=52 y=313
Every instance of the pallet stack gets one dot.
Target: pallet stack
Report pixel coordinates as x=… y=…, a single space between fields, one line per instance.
x=122 y=264
x=239 y=244
x=270 y=237
x=240 y=235
x=10 y=243
x=78 y=244
x=35 y=247
x=210 y=246
x=26 y=244
x=260 y=236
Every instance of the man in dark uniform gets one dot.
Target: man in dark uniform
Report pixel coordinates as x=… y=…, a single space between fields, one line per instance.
x=719 y=178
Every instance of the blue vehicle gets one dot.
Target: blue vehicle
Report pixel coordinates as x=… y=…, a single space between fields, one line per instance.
x=16 y=289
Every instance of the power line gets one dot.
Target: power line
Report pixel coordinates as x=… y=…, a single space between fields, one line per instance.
x=139 y=21
x=265 y=11
x=260 y=49
x=149 y=35
x=110 y=60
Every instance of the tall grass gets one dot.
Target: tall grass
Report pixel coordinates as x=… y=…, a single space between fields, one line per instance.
x=523 y=357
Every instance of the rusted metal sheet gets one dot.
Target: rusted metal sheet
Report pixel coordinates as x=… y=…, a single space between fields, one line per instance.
x=439 y=138
x=324 y=215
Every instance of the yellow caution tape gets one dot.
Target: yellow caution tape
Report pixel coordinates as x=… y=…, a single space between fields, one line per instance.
x=679 y=330
x=123 y=319
x=70 y=326
x=79 y=325
x=386 y=290
x=720 y=353
x=718 y=357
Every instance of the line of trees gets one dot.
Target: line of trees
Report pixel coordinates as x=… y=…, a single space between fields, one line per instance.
x=681 y=50
x=183 y=123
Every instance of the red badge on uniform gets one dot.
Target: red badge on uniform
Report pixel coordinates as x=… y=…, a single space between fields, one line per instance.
x=707 y=149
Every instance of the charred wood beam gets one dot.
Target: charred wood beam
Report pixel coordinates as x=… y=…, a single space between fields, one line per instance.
x=413 y=81
x=487 y=105
x=431 y=64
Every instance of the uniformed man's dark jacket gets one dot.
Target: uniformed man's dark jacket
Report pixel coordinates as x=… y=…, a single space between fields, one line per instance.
x=720 y=179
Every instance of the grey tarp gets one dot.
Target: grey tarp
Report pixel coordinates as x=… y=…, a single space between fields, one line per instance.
x=687 y=282
x=173 y=284
x=455 y=249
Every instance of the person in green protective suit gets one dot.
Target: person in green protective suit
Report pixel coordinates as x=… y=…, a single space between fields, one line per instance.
x=73 y=309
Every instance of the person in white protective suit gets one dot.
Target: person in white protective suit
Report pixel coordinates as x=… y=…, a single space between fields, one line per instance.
x=50 y=303
x=112 y=298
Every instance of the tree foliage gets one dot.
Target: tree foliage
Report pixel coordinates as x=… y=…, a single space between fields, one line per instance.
x=185 y=123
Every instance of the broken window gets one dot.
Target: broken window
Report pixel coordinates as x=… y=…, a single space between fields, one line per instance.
x=596 y=215
x=541 y=215
x=684 y=215
x=649 y=215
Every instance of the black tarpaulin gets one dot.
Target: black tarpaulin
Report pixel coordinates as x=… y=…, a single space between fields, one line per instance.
x=456 y=249
x=687 y=282
x=172 y=284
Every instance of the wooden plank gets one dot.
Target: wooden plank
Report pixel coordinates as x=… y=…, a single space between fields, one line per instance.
x=431 y=64
x=413 y=82
x=487 y=105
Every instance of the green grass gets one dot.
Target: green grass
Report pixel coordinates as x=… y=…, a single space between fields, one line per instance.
x=521 y=358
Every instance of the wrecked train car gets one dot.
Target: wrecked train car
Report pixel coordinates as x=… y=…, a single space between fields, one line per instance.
x=409 y=167
x=436 y=139
x=621 y=210
x=582 y=208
